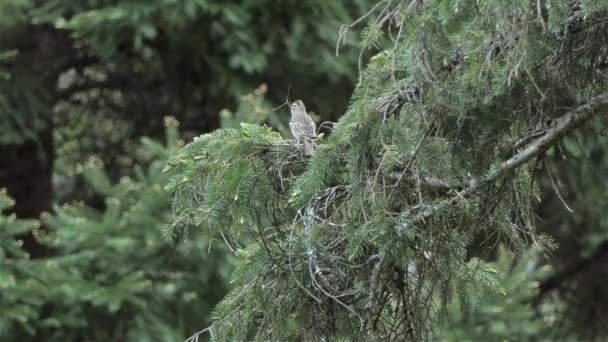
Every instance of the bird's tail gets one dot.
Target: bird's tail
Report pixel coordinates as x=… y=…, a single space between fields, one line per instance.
x=308 y=147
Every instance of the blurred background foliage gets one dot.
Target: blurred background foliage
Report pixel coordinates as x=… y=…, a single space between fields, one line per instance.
x=86 y=93
x=86 y=90
x=504 y=316
x=112 y=277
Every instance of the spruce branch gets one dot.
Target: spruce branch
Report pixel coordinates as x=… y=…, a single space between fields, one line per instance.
x=564 y=125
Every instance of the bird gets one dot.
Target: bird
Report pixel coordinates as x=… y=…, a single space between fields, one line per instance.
x=301 y=125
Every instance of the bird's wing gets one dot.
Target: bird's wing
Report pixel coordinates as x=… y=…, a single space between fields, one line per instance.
x=310 y=128
x=303 y=125
x=295 y=131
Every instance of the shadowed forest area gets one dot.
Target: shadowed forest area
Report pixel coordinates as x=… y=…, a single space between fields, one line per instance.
x=442 y=178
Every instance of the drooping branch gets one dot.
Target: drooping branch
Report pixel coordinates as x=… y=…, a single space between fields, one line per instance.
x=564 y=125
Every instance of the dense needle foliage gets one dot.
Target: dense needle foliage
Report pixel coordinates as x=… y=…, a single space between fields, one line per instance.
x=371 y=238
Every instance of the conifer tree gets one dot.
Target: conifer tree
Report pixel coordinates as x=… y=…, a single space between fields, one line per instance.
x=436 y=158
x=137 y=61
x=113 y=276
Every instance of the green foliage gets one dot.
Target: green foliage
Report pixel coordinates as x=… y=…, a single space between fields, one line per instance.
x=508 y=315
x=233 y=192
x=112 y=276
x=98 y=75
x=145 y=59
x=574 y=212
x=76 y=143
x=372 y=237
x=13 y=262
x=385 y=233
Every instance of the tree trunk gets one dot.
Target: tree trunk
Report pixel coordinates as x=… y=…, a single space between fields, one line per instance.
x=26 y=173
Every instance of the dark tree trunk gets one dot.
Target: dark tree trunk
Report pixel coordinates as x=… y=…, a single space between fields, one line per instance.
x=26 y=168
x=26 y=172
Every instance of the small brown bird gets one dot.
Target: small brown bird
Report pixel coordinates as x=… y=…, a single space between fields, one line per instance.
x=301 y=125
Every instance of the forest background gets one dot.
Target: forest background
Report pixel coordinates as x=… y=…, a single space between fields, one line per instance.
x=97 y=96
